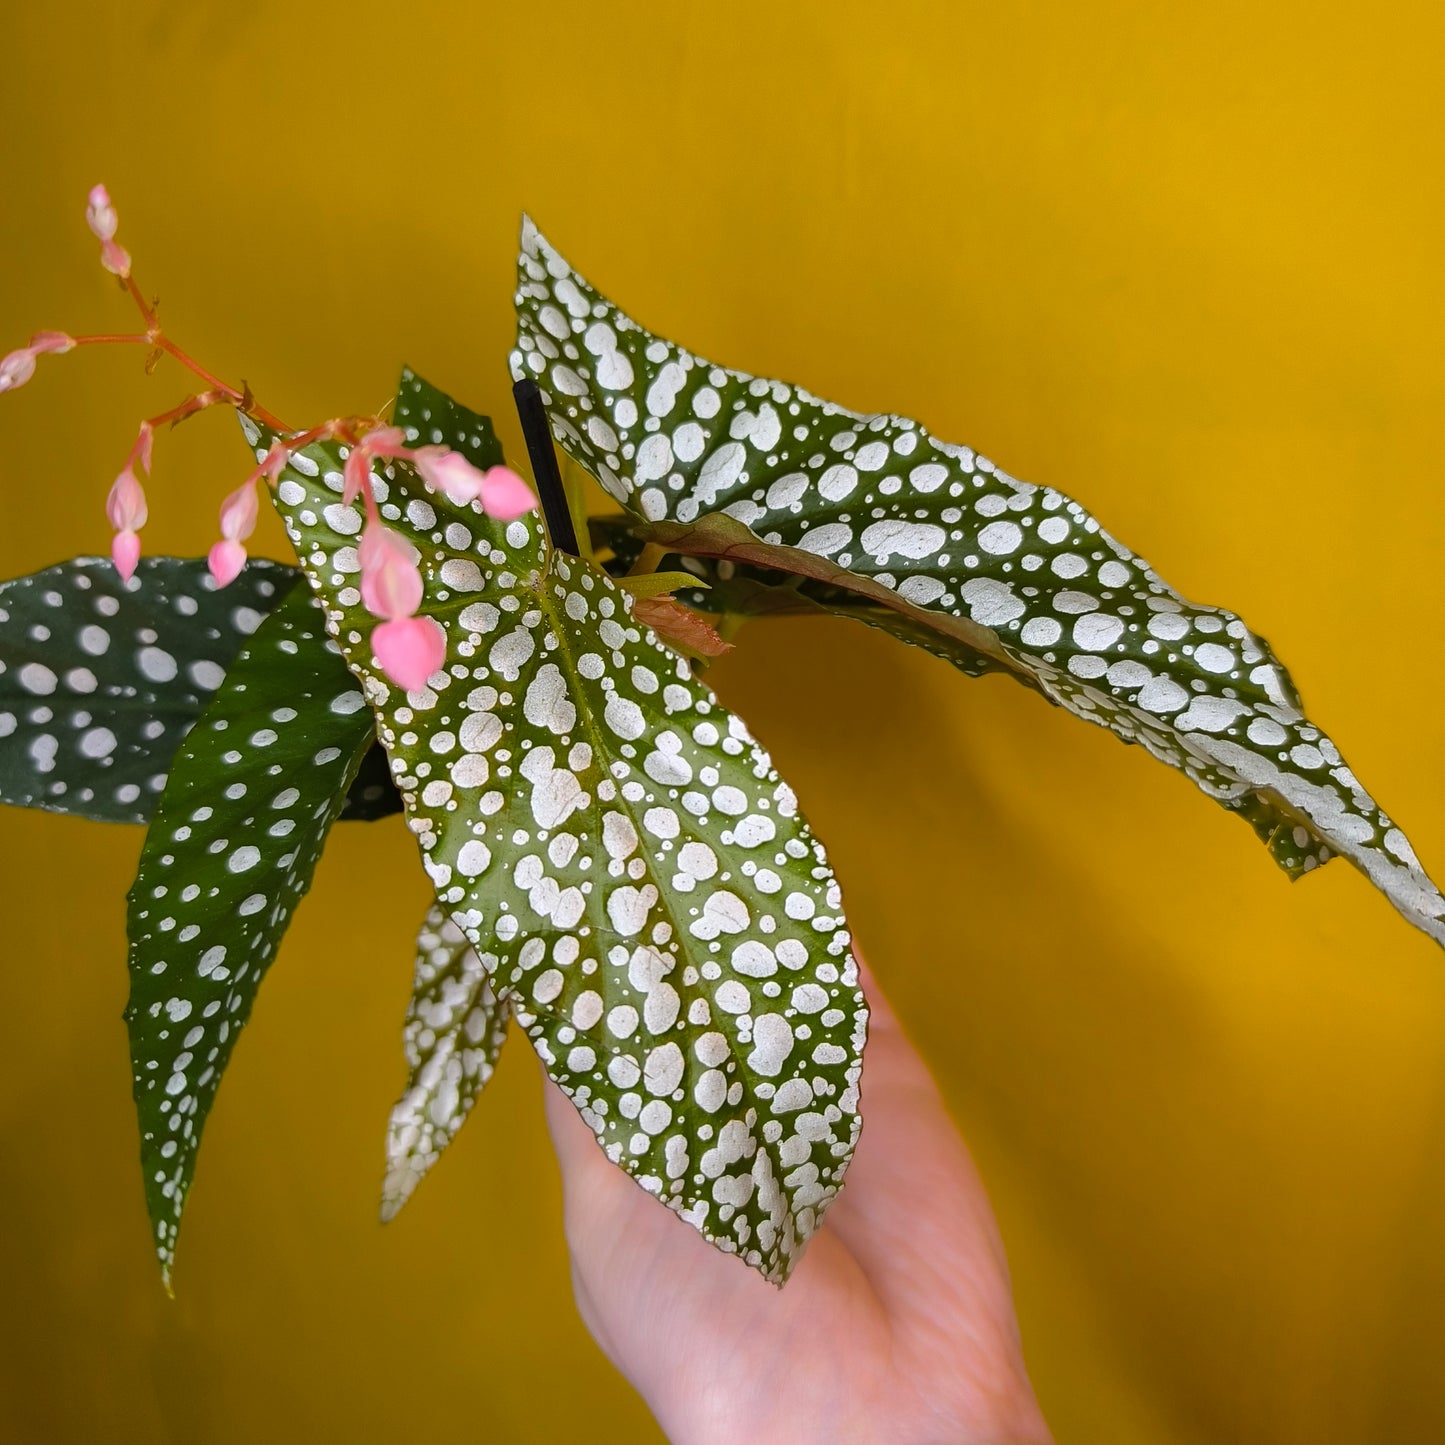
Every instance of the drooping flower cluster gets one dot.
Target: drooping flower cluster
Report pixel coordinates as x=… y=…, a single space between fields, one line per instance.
x=410 y=648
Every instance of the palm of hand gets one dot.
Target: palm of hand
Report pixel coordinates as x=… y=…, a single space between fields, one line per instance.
x=897 y=1325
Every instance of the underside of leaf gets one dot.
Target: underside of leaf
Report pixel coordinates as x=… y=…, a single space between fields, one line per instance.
x=1019 y=576
x=455 y=1028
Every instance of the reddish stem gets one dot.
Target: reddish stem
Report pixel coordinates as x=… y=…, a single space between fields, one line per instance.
x=139 y=340
x=157 y=337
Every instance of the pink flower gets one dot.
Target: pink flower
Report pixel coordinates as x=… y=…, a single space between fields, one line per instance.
x=449 y=473
x=101 y=218
x=19 y=366
x=115 y=258
x=125 y=508
x=16 y=369
x=100 y=214
x=505 y=496
x=225 y=560
x=391 y=585
x=125 y=553
x=410 y=650
x=238 y=521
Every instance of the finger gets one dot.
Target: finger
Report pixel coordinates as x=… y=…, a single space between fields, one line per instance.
x=912 y=1196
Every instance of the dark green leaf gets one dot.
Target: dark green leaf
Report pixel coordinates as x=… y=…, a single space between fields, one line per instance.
x=229 y=855
x=1005 y=575
x=100 y=680
x=629 y=866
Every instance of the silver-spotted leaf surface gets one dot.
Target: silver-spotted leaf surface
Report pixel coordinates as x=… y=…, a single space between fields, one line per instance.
x=101 y=680
x=629 y=866
x=455 y=1028
x=947 y=539
x=254 y=790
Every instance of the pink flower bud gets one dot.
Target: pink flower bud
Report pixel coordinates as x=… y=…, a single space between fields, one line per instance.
x=54 y=341
x=391 y=585
x=238 y=512
x=125 y=507
x=125 y=553
x=505 y=496
x=115 y=258
x=449 y=473
x=100 y=214
x=225 y=561
x=16 y=369
x=356 y=474
x=410 y=650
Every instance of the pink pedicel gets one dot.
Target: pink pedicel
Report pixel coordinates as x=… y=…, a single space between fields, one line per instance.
x=410 y=650
x=357 y=474
x=505 y=496
x=238 y=521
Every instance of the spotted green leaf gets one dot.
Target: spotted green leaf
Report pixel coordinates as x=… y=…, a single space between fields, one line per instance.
x=228 y=856
x=100 y=680
x=1006 y=575
x=455 y=1028
x=629 y=866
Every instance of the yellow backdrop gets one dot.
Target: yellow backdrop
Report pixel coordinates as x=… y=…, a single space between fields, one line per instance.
x=1183 y=262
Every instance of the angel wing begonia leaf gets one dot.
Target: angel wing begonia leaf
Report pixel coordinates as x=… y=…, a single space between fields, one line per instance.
x=101 y=680
x=1006 y=575
x=632 y=871
x=455 y=1027
x=228 y=856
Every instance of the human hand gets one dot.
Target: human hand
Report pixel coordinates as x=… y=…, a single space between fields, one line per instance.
x=896 y=1328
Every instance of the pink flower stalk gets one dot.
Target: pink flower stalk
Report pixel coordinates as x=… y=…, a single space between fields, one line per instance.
x=125 y=508
x=19 y=366
x=144 y=446
x=409 y=648
x=101 y=218
x=357 y=476
x=238 y=521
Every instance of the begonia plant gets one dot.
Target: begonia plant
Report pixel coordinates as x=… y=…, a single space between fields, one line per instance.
x=615 y=863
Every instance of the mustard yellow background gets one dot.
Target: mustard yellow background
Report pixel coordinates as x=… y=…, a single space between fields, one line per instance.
x=1184 y=262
